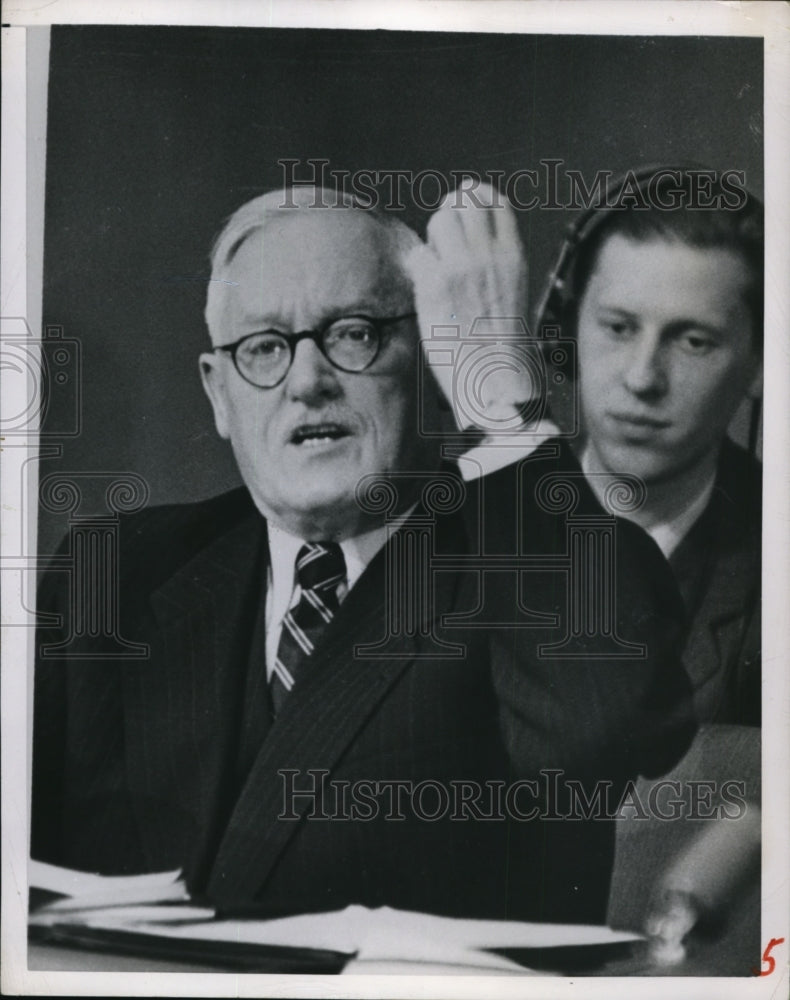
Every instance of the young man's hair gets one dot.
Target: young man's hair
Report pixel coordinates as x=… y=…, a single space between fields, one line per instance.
x=739 y=229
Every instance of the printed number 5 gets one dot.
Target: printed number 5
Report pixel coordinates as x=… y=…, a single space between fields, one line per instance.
x=768 y=958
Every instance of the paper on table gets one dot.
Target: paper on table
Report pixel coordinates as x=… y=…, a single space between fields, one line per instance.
x=471 y=963
x=120 y=916
x=375 y=935
x=70 y=882
x=84 y=890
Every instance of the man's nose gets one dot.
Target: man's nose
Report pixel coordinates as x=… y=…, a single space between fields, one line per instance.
x=311 y=377
x=645 y=368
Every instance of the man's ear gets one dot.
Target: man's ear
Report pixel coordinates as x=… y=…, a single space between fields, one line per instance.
x=212 y=377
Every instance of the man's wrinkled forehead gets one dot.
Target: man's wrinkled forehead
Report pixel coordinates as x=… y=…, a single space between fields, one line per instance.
x=304 y=266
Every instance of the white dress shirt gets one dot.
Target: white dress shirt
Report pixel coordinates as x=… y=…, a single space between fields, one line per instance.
x=669 y=533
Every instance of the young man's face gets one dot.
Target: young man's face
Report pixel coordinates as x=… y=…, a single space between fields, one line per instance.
x=665 y=355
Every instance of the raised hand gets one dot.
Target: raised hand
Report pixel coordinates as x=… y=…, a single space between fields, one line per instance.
x=470 y=281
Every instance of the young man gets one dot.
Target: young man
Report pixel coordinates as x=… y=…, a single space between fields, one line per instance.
x=664 y=297
x=667 y=309
x=665 y=303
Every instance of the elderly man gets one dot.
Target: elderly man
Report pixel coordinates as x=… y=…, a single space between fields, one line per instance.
x=294 y=737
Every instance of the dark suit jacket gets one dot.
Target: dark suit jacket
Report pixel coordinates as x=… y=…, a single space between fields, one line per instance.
x=602 y=707
x=137 y=763
x=718 y=568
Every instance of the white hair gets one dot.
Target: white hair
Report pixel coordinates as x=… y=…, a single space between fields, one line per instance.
x=289 y=203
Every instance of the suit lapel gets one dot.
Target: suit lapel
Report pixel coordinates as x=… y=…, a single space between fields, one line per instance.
x=182 y=707
x=726 y=595
x=721 y=558
x=319 y=720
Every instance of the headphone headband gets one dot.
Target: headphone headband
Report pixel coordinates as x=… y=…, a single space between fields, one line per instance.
x=553 y=305
x=580 y=230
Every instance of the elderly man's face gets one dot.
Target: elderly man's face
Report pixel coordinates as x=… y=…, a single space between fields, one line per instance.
x=303 y=446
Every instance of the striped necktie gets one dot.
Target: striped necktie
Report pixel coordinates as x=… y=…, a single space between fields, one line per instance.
x=320 y=568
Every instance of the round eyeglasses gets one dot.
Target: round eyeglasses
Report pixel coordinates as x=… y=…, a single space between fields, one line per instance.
x=351 y=343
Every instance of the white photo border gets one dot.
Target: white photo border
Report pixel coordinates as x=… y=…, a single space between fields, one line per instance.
x=25 y=48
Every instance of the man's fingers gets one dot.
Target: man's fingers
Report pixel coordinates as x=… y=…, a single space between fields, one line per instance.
x=506 y=226
x=417 y=261
x=474 y=226
x=477 y=210
x=433 y=298
x=464 y=223
x=427 y=274
x=446 y=234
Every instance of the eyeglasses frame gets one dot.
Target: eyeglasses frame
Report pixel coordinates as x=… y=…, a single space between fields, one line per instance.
x=317 y=335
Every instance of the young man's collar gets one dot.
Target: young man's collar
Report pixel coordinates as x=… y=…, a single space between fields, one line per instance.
x=666 y=532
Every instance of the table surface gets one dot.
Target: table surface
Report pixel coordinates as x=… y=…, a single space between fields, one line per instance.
x=56 y=958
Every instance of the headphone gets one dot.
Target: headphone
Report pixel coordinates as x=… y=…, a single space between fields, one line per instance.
x=556 y=305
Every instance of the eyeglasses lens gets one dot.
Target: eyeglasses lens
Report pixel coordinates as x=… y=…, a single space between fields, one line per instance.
x=351 y=344
x=264 y=359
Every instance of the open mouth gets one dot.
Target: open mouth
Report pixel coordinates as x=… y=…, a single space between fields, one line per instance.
x=638 y=421
x=313 y=435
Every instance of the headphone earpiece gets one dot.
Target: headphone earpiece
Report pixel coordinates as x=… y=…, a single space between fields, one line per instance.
x=557 y=307
x=555 y=302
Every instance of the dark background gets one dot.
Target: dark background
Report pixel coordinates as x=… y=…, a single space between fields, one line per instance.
x=155 y=135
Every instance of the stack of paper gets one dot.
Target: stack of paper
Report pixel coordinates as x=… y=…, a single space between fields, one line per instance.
x=356 y=939
x=78 y=890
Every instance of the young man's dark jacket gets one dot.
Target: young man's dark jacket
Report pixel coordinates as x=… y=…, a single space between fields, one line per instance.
x=718 y=568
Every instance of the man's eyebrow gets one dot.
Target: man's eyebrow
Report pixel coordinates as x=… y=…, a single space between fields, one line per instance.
x=605 y=307
x=676 y=325
x=694 y=324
